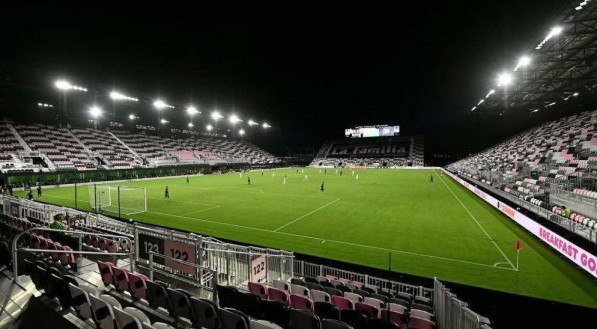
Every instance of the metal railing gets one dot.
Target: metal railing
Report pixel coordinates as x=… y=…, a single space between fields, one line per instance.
x=208 y=278
x=452 y=313
x=15 y=248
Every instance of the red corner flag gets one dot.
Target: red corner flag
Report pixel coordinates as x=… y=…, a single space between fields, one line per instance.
x=518 y=245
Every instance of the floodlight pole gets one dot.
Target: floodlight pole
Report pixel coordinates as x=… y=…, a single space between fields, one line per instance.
x=76 y=197
x=119 y=214
x=389 y=276
x=95 y=197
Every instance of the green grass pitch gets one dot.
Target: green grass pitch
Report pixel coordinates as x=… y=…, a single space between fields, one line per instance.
x=432 y=229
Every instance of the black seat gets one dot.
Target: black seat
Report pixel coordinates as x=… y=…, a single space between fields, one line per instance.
x=180 y=304
x=315 y=286
x=205 y=311
x=334 y=324
x=343 y=288
x=362 y=293
x=423 y=307
x=5 y=255
x=39 y=277
x=381 y=297
x=310 y=279
x=300 y=319
x=157 y=296
x=298 y=281
x=400 y=302
x=326 y=311
x=233 y=319
x=326 y=284
x=249 y=304
x=370 y=290
x=227 y=296
x=275 y=312
x=333 y=291
x=376 y=323
x=354 y=318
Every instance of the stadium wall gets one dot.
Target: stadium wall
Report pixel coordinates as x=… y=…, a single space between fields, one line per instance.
x=579 y=256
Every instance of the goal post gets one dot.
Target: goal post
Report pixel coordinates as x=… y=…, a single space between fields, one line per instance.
x=125 y=200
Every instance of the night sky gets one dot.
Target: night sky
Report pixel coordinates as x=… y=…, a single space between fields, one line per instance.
x=310 y=69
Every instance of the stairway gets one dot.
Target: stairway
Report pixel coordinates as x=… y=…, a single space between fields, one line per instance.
x=18 y=136
x=133 y=152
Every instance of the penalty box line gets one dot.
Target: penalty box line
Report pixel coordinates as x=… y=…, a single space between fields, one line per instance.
x=334 y=241
x=476 y=221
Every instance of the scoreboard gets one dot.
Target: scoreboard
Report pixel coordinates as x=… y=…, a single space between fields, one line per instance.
x=372 y=131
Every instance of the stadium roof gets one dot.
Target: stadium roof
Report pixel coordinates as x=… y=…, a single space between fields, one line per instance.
x=562 y=65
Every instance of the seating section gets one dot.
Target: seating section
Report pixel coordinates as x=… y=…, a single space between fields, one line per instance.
x=9 y=144
x=65 y=152
x=371 y=152
x=102 y=142
x=556 y=155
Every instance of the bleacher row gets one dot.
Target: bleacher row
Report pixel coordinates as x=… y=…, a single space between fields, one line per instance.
x=84 y=149
x=561 y=154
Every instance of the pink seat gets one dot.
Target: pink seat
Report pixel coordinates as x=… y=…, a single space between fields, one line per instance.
x=369 y=310
x=103 y=244
x=37 y=241
x=342 y=303
x=107 y=272
x=138 y=285
x=394 y=317
x=417 y=323
x=301 y=303
x=121 y=279
x=67 y=259
x=258 y=290
x=55 y=246
x=278 y=295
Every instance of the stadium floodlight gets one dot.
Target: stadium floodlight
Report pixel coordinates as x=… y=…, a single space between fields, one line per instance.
x=65 y=86
x=241 y=132
x=234 y=119
x=209 y=127
x=480 y=102
x=133 y=117
x=265 y=125
x=164 y=121
x=159 y=104
x=252 y=123
x=95 y=111
x=191 y=125
x=504 y=79
x=491 y=92
x=523 y=61
x=44 y=105
x=122 y=97
x=575 y=94
x=474 y=108
x=192 y=110
x=555 y=31
x=216 y=115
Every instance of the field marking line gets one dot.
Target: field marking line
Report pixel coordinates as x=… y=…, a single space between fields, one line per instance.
x=154 y=199
x=307 y=214
x=326 y=240
x=202 y=210
x=476 y=221
x=334 y=241
x=261 y=192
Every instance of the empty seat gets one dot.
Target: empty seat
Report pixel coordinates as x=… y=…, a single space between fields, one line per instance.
x=138 y=285
x=326 y=311
x=298 y=281
x=121 y=279
x=205 y=313
x=278 y=295
x=378 y=323
x=392 y=316
x=314 y=286
x=369 y=310
x=355 y=319
x=180 y=304
x=156 y=296
x=373 y=302
x=300 y=290
x=275 y=312
x=333 y=291
x=300 y=319
x=233 y=319
x=416 y=323
x=334 y=324
x=422 y=300
x=421 y=314
x=279 y=284
x=361 y=293
x=138 y=314
x=80 y=302
x=342 y=303
x=301 y=303
x=103 y=315
x=262 y=324
x=320 y=296
x=258 y=290
x=107 y=272
x=354 y=298
x=124 y=320
x=227 y=295
x=422 y=307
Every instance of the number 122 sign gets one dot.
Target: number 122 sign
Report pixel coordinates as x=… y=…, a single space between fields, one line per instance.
x=183 y=251
x=258 y=269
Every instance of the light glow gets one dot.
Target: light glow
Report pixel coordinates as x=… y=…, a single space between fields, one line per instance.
x=209 y=127
x=504 y=79
x=95 y=111
x=216 y=115
x=122 y=97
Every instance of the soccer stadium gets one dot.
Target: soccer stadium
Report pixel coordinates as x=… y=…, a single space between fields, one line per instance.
x=208 y=169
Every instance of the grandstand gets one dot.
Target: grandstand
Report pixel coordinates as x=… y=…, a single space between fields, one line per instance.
x=378 y=152
x=43 y=148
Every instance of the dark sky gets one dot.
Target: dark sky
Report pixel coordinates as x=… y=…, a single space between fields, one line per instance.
x=311 y=69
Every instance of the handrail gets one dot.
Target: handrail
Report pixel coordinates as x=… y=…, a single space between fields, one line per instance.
x=15 y=254
x=214 y=274
x=248 y=252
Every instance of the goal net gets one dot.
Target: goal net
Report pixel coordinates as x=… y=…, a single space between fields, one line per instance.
x=125 y=200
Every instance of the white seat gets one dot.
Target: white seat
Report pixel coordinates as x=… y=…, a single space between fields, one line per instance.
x=373 y=302
x=262 y=324
x=161 y=325
x=124 y=319
x=397 y=308
x=421 y=314
x=279 y=284
x=97 y=305
x=83 y=308
x=110 y=300
x=142 y=317
x=354 y=298
x=297 y=289
x=320 y=296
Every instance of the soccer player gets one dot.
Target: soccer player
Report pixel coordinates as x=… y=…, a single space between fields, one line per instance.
x=187 y=179
x=353 y=172
x=430 y=178
x=240 y=174
x=284 y=182
x=322 y=187
x=357 y=177
x=273 y=174
x=306 y=178
x=261 y=172
x=248 y=180
x=39 y=191
x=166 y=193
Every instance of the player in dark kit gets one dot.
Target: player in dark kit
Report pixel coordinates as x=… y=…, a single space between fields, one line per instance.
x=187 y=179
x=166 y=193
x=430 y=178
x=249 y=180
x=322 y=187
x=39 y=191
